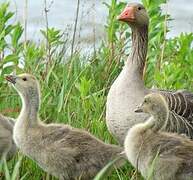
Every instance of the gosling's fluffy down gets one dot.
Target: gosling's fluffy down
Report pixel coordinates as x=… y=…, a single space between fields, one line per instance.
x=7 y=145
x=171 y=153
x=68 y=153
x=63 y=151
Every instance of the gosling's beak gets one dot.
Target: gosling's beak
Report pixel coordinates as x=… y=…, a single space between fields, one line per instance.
x=122 y=153
x=139 y=109
x=11 y=79
x=128 y=14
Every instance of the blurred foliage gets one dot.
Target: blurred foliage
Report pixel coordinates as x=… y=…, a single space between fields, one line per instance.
x=169 y=61
x=10 y=46
x=74 y=88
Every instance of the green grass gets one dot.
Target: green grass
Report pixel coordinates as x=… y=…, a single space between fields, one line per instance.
x=74 y=89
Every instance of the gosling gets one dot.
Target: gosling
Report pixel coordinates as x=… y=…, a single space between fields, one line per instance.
x=61 y=150
x=7 y=146
x=147 y=147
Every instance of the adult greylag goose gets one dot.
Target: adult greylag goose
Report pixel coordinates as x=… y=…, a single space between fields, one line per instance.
x=128 y=90
x=156 y=154
x=7 y=145
x=61 y=150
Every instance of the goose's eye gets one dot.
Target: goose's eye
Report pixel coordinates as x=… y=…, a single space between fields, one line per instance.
x=24 y=79
x=139 y=8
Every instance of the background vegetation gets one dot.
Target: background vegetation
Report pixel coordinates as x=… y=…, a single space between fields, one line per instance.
x=74 y=87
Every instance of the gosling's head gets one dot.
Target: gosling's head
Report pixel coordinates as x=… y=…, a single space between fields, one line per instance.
x=26 y=84
x=153 y=104
x=135 y=15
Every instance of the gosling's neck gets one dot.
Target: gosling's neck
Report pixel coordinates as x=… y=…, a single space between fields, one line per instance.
x=137 y=58
x=161 y=118
x=30 y=106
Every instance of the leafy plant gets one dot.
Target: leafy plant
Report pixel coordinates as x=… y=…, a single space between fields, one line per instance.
x=74 y=88
x=10 y=45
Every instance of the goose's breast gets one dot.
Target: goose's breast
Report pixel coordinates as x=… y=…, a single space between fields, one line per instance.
x=122 y=100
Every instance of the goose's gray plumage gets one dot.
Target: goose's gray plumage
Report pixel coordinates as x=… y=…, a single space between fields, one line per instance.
x=7 y=145
x=178 y=120
x=180 y=102
x=180 y=107
x=156 y=154
x=61 y=150
x=128 y=90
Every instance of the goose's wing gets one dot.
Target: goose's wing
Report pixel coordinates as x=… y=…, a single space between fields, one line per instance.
x=187 y=94
x=180 y=102
x=178 y=124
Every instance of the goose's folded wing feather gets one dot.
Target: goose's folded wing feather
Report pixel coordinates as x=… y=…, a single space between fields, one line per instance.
x=176 y=123
x=180 y=102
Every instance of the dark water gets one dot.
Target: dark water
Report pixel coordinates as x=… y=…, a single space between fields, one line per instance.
x=92 y=17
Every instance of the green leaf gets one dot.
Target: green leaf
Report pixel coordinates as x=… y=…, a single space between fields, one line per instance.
x=11 y=58
x=61 y=98
x=15 y=173
x=16 y=35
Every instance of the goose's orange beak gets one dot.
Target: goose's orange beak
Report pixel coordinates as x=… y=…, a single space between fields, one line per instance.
x=128 y=14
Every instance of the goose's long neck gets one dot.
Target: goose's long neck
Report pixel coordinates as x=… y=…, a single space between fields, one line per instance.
x=29 y=114
x=137 y=58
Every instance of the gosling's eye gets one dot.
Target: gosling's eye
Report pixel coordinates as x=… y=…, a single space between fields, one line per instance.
x=24 y=79
x=139 y=8
x=145 y=101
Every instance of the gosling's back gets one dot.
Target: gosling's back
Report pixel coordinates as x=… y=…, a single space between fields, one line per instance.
x=67 y=152
x=7 y=145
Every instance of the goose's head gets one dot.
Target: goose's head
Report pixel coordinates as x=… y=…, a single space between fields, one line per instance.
x=135 y=15
x=153 y=104
x=25 y=84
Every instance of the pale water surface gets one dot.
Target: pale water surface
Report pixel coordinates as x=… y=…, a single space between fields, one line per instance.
x=92 y=17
